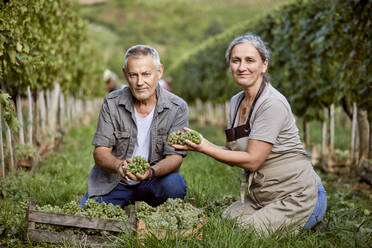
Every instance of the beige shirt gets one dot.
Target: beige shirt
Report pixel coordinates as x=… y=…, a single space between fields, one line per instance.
x=272 y=121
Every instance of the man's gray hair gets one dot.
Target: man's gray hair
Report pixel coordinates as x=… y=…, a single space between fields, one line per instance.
x=142 y=50
x=257 y=42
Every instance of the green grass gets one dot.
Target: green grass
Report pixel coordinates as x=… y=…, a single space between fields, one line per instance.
x=62 y=178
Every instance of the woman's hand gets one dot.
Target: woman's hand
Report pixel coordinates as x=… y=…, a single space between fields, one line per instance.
x=191 y=146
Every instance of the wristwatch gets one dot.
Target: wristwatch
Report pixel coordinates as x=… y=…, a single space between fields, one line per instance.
x=152 y=172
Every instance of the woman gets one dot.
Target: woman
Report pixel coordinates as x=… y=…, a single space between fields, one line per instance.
x=283 y=190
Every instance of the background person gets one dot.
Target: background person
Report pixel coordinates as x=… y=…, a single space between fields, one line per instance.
x=283 y=190
x=111 y=81
x=136 y=121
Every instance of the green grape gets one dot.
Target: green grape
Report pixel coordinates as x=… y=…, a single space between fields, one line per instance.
x=138 y=165
x=194 y=136
x=173 y=137
x=71 y=208
x=173 y=214
x=91 y=209
x=179 y=137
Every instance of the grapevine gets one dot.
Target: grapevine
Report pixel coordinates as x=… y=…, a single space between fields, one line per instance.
x=173 y=214
x=178 y=137
x=46 y=41
x=138 y=165
x=318 y=57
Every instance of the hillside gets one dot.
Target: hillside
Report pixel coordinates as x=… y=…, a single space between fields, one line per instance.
x=171 y=26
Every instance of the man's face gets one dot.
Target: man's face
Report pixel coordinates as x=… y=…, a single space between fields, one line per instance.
x=142 y=76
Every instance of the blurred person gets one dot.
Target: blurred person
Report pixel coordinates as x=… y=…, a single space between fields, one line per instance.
x=165 y=83
x=111 y=85
x=136 y=121
x=110 y=79
x=283 y=190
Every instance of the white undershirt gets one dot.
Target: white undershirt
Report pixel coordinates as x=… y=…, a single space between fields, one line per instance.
x=142 y=146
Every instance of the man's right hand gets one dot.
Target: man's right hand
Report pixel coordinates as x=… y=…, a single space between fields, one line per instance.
x=122 y=166
x=121 y=169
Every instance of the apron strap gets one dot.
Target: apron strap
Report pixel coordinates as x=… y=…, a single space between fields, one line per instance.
x=262 y=86
x=244 y=130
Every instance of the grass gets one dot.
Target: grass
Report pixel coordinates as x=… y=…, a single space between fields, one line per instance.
x=62 y=178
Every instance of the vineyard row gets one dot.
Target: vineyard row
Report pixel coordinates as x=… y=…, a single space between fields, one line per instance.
x=42 y=120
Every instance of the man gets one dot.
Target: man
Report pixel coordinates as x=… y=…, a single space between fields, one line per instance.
x=136 y=121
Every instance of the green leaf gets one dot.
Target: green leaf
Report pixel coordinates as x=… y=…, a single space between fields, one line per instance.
x=12 y=55
x=19 y=47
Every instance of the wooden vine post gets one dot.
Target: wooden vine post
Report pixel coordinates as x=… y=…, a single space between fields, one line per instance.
x=30 y=116
x=69 y=110
x=54 y=106
x=227 y=109
x=36 y=132
x=353 y=134
x=331 y=161
x=8 y=136
x=306 y=128
x=332 y=129
x=324 y=136
x=20 y=119
x=42 y=109
x=2 y=171
x=62 y=111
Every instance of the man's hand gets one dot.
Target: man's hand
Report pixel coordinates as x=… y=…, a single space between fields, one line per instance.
x=139 y=177
x=121 y=169
x=136 y=177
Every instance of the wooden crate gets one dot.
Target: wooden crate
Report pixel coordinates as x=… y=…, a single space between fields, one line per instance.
x=68 y=221
x=143 y=231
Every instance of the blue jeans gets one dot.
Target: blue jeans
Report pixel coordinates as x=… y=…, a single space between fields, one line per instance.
x=154 y=191
x=319 y=210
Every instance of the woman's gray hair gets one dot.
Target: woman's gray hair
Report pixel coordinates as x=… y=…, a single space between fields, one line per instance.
x=142 y=50
x=257 y=42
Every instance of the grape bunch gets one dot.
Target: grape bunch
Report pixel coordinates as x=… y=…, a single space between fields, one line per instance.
x=194 y=136
x=179 y=137
x=138 y=165
x=91 y=209
x=173 y=214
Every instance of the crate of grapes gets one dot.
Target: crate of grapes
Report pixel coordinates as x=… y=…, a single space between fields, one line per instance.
x=75 y=225
x=174 y=218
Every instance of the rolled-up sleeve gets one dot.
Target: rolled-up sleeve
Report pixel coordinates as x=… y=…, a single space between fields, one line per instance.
x=180 y=121
x=104 y=135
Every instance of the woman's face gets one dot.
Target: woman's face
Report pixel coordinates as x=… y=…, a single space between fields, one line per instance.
x=246 y=65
